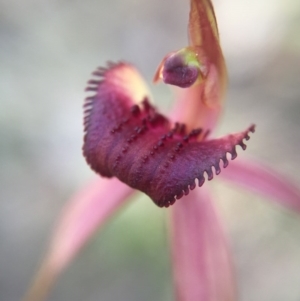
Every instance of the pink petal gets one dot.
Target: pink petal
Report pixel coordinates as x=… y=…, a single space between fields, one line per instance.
x=84 y=214
x=262 y=179
x=203 y=28
x=192 y=110
x=203 y=33
x=202 y=262
x=201 y=105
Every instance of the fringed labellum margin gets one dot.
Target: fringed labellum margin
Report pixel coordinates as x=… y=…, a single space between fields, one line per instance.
x=141 y=147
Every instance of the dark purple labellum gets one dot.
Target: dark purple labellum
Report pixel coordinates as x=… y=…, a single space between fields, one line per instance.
x=147 y=152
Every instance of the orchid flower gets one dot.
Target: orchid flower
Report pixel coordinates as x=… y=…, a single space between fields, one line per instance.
x=134 y=147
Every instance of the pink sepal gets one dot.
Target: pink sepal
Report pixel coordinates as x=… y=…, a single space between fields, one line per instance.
x=81 y=217
x=259 y=178
x=202 y=264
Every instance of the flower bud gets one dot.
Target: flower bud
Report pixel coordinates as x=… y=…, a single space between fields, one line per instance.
x=182 y=68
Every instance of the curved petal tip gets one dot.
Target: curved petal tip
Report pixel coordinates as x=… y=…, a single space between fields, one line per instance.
x=82 y=216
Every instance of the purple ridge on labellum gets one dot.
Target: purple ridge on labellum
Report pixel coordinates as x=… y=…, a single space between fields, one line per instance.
x=142 y=148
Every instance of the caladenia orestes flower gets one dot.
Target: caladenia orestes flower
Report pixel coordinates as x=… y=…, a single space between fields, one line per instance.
x=133 y=146
x=126 y=137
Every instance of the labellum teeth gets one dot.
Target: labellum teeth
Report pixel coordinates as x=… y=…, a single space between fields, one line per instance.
x=210 y=174
x=217 y=168
x=141 y=147
x=192 y=186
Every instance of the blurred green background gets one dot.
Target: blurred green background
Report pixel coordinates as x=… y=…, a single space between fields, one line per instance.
x=48 y=50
